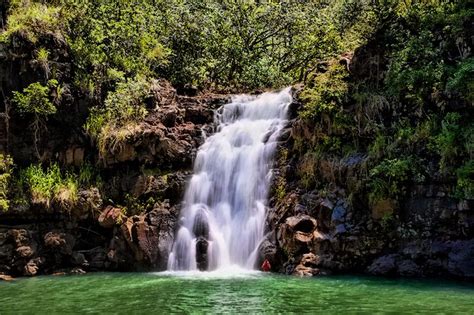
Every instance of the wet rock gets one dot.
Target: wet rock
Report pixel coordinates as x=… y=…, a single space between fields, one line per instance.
x=384 y=265
x=33 y=266
x=303 y=271
x=461 y=258
x=408 y=268
x=77 y=271
x=202 y=261
x=267 y=250
x=307 y=266
x=6 y=278
x=201 y=225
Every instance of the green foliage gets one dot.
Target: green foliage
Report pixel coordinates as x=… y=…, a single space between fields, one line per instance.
x=417 y=71
x=135 y=206
x=326 y=92
x=431 y=43
x=123 y=108
x=88 y=176
x=6 y=165
x=115 y=35
x=35 y=99
x=446 y=142
x=465 y=180
x=388 y=179
x=31 y=19
x=307 y=169
x=462 y=81
x=46 y=185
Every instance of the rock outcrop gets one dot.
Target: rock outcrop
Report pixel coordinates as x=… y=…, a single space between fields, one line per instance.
x=334 y=228
x=127 y=223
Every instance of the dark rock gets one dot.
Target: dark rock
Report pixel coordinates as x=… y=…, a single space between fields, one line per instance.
x=89 y=202
x=111 y=216
x=461 y=258
x=97 y=259
x=201 y=225
x=340 y=229
x=384 y=265
x=202 y=261
x=296 y=233
x=338 y=214
x=79 y=259
x=267 y=250
x=408 y=268
x=59 y=242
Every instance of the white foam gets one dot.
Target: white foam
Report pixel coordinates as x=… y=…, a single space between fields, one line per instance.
x=227 y=195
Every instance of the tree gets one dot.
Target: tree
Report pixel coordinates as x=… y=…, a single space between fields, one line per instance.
x=35 y=100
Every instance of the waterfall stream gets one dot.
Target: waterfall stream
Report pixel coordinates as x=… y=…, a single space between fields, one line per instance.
x=223 y=212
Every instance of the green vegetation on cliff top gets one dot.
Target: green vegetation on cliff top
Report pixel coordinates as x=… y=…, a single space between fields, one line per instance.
x=411 y=102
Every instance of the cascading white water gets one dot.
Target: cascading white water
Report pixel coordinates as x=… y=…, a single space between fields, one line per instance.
x=223 y=213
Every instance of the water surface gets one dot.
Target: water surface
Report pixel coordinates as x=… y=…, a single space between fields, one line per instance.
x=250 y=292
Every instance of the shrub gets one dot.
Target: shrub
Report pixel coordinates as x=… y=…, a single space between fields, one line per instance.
x=47 y=185
x=462 y=79
x=388 y=179
x=32 y=19
x=123 y=108
x=35 y=100
x=465 y=180
x=447 y=141
x=6 y=165
x=325 y=92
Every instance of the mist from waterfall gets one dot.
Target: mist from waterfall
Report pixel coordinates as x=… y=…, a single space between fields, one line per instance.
x=223 y=215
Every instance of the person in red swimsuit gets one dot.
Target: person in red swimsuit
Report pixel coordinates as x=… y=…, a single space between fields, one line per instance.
x=266 y=265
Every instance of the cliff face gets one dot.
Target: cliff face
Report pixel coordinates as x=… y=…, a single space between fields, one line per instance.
x=428 y=233
x=125 y=222
x=323 y=216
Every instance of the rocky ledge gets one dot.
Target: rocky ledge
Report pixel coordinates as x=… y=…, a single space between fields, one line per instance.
x=150 y=167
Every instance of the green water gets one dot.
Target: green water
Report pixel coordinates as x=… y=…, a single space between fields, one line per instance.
x=213 y=293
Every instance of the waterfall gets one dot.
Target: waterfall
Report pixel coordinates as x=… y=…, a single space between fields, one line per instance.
x=223 y=215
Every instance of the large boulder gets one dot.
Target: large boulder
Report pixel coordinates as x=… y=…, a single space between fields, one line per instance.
x=385 y=265
x=59 y=242
x=297 y=233
x=149 y=237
